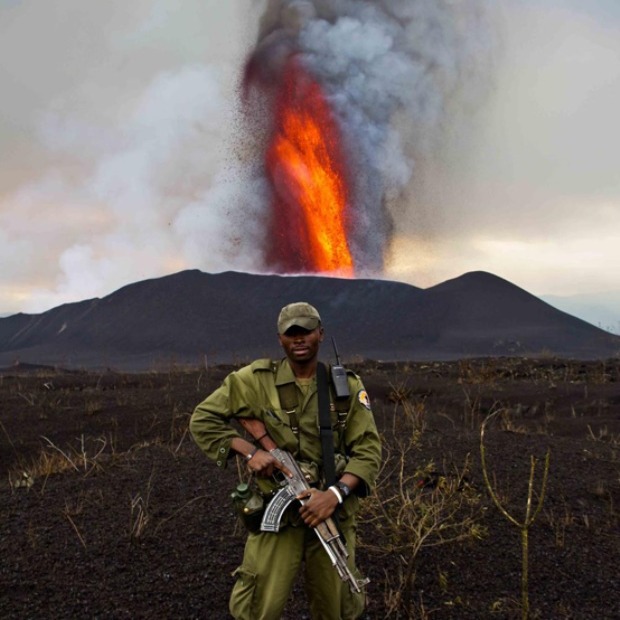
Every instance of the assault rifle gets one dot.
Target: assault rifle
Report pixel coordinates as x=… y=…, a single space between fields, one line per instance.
x=293 y=487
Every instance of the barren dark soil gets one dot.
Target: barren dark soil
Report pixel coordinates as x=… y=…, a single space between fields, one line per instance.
x=109 y=511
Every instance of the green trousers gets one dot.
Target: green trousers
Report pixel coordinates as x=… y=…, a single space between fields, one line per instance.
x=271 y=562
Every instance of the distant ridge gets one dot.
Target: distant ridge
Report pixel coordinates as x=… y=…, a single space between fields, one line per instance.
x=231 y=317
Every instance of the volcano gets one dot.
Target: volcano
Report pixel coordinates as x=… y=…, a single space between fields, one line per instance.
x=231 y=317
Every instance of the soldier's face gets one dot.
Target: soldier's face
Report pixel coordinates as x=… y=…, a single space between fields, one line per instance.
x=301 y=345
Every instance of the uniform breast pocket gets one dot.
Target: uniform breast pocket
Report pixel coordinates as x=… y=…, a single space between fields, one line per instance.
x=281 y=428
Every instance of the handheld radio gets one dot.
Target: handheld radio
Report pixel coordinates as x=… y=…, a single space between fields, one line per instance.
x=339 y=376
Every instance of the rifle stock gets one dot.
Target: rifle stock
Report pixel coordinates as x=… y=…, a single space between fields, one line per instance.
x=326 y=531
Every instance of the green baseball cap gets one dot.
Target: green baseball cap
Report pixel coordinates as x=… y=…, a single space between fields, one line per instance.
x=301 y=314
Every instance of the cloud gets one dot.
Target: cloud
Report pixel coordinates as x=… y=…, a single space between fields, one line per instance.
x=574 y=262
x=546 y=144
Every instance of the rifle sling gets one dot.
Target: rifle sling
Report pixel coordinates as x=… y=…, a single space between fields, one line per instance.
x=325 y=426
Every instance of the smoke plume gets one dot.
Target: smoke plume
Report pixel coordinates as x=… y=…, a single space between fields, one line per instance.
x=393 y=72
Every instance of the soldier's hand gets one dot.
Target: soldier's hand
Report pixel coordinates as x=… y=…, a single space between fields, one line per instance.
x=318 y=506
x=264 y=464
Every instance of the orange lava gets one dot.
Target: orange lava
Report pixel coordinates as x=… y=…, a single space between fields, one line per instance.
x=308 y=175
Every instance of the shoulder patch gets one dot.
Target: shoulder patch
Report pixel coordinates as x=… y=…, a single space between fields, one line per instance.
x=363 y=398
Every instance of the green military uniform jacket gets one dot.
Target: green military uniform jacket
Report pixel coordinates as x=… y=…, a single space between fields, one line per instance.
x=252 y=392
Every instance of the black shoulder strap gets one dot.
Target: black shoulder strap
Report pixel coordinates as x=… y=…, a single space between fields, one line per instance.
x=325 y=425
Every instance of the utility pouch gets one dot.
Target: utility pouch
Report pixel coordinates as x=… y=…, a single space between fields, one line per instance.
x=249 y=506
x=341 y=464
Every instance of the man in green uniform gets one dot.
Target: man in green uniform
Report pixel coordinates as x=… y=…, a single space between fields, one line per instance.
x=283 y=395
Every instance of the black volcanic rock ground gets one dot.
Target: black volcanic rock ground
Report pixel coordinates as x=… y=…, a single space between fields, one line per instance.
x=125 y=518
x=231 y=316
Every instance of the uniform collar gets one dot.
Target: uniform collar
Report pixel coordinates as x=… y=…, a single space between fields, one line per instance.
x=284 y=373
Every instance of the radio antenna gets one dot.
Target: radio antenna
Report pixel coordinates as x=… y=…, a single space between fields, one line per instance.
x=336 y=351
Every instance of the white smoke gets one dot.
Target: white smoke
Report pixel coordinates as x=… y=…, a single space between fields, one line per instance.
x=150 y=189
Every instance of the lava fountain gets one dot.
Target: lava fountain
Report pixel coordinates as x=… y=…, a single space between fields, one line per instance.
x=306 y=170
